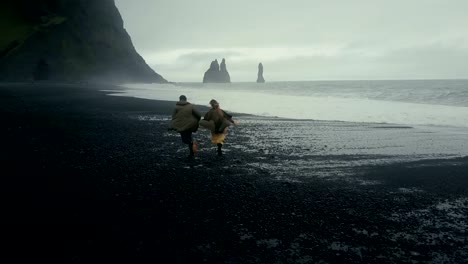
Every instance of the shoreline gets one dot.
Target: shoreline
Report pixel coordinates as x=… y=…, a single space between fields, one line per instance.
x=360 y=107
x=276 y=118
x=88 y=180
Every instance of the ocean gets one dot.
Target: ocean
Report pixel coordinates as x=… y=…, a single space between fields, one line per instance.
x=330 y=128
x=439 y=103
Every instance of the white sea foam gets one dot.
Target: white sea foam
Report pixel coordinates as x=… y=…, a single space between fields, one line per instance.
x=436 y=103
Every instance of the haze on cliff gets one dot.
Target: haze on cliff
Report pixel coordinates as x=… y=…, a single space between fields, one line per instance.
x=302 y=39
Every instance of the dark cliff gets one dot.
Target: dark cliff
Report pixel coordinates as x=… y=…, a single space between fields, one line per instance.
x=217 y=73
x=260 y=78
x=68 y=40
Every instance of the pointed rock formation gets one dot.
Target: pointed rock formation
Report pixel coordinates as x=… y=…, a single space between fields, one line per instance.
x=260 y=78
x=217 y=73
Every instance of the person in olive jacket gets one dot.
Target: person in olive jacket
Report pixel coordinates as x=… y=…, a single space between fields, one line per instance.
x=185 y=120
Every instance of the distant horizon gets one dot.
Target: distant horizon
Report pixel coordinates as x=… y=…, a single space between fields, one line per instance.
x=343 y=80
x=253 y=76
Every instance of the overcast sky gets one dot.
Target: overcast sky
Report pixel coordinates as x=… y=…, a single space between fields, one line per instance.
x=301 y=39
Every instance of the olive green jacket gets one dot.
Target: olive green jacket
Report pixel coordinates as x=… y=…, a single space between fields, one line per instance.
x=185 y=117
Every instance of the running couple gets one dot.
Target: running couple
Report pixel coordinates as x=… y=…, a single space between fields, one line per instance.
x=185 y=120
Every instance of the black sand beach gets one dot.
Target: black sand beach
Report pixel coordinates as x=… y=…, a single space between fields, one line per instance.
x=88 y=177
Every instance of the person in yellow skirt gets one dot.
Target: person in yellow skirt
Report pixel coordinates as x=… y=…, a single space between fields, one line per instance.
x=217 y=121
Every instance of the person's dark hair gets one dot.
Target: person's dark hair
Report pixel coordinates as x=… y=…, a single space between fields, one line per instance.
x=214 y=103
x=182 y=98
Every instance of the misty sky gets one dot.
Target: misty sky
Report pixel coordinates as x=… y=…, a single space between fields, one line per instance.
x=301 y=39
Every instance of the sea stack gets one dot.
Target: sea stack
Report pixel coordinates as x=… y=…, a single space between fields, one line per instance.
x=217 y=73
x=68 y=40
x=260 y=78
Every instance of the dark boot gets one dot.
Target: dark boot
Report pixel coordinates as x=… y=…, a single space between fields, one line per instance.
x=220 y=152
x=191 y=149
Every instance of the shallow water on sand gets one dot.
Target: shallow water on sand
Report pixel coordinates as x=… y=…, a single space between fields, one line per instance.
x=332 y=149
x=321 y=148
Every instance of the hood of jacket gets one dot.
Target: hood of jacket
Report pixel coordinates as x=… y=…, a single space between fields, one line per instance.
x=182 y=103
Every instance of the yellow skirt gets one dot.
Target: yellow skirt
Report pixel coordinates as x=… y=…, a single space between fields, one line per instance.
x=217 y=138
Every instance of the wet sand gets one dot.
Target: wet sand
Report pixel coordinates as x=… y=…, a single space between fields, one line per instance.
x=95 y=178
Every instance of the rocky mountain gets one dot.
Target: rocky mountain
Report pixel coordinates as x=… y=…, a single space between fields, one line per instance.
x=260 y=78
x=217 y=73
x=68 y=40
